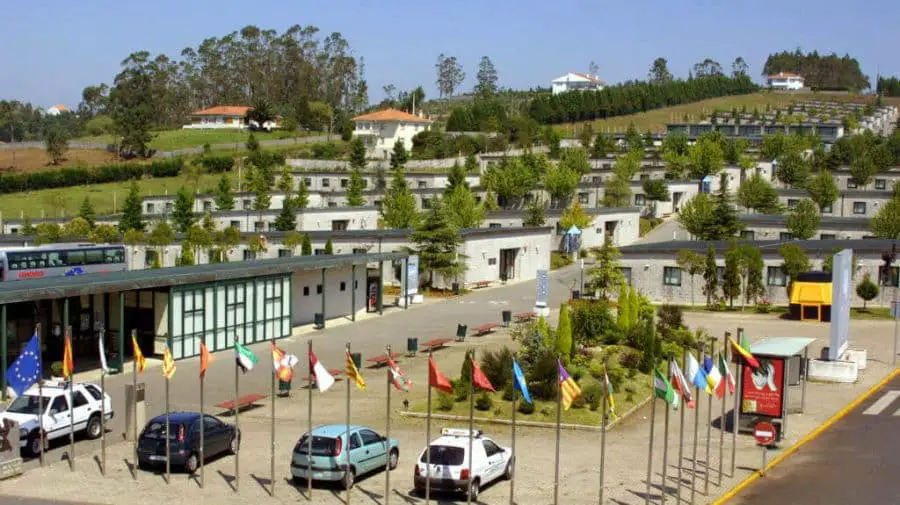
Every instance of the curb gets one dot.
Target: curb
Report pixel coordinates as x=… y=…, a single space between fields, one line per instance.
x=809 y=437
x=532 y=424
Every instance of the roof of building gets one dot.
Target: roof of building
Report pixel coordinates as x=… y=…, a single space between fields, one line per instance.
x=586 y=77
x=223 y=110
x=784 y=75
x=826 y=222
x=391 y=115
x=60 y=107
x=767 y=247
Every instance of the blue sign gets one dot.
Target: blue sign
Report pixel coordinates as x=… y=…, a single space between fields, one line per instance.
x=75 y=271
x=543 y=287
x=412 y=275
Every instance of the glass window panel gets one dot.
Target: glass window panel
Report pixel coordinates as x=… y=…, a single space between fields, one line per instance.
x=188 y=301
x=177 y=314
x=220 y=302
x=188 y=323
x=209 y=312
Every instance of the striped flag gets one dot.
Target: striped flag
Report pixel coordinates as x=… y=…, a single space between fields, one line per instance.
x=245 y=358
x=696 y=375
x=324 y=380
x=353 y=373
x=168 y=364
x=663 y=389
x=568 y=389
x=681 y=384
x=728 y=381
x=68 y=361
x=745 y=353
x=139 y=359
x=400 y=380
x=713 y=377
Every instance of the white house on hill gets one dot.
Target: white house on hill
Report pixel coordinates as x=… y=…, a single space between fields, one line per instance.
x=785 y=81
x=381 y=129
x=57 y=110
x=575 y=81
x=226 y=116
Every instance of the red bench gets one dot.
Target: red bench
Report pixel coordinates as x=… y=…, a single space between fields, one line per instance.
x=525 y=316
x=438 y=343
x=241 y=402
x=481 y=284
x=484 y=329
x=382 y=359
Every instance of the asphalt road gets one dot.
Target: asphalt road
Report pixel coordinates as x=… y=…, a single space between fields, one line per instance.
x=16 y=500
x=854 y=461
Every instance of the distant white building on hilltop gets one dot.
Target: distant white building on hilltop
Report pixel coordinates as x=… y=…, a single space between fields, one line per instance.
x=575 y=81
x=785 y=81
x=57 y=110
x=381 y=129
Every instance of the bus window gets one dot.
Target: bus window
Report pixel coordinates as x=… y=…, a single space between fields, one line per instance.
x=113 y=255
x=74 y=258
x=93 y=256
x=54 y=259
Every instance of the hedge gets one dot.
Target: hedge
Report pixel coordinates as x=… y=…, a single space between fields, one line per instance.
x=216 y=163
x=79 y=175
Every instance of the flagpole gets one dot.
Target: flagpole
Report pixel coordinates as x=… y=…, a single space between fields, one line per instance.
x=736 y=413
x=237 y=421
x=471 y=422
x=71 y=378
x=168 y=444
x=603 y=426
x=709 y=407
x=428 y=434
x=349 y=356
x=272 y=426
x=665 y=460
x=652 y=421
x=724 y=383
x=133 y=399
x=387 y=434
x=681 y=434
x=309 y=437
x=37 y=331
x=202 y=430
x=696 y=432
x=102 y=406
x=512 y=481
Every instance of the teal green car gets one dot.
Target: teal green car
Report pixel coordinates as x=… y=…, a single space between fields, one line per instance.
x=367 y=451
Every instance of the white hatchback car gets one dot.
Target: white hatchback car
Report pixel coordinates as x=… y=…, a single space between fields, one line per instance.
x=450 y=463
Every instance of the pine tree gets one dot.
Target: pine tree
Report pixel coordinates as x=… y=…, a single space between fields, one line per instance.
x=725 y=221
x=329 y=248
x=131 y=210
x=710 y=277
x=306 y=246
x=461 y=208
x=187 y=254
x=399 y=209
x=286 y=219
x=183 y=213
x=534 y=214
x=606 y=275
x=355 y=189
x=260 y=189
x=437 y=243
x=564 y=333
x=456 y=177
x=399 y=155
x=471 y=164
x=357 y=155
x=731 y=279
x=302 y=199
x=87 y=211
x=285 y=181
x=252 y=143
x=224 y=199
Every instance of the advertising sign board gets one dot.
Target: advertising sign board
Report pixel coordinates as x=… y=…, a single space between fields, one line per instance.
x=841 y=286
x=762 y=390
x=412 y=275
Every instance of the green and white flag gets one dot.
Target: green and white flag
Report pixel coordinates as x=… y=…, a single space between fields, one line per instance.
x=663 y=389
x=246 y=360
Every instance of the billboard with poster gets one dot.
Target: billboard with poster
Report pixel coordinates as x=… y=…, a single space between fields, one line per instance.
x=762 y=389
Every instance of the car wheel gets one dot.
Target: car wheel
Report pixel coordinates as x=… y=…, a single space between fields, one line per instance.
x=508 y=474
x=349 y=478
x=393 y=459
x=235 y=445
x=94 y=429
x=34 y=445
x=473 y=490
x=192 y=463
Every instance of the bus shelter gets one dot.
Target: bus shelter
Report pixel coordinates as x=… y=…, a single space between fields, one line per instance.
x=778 y=387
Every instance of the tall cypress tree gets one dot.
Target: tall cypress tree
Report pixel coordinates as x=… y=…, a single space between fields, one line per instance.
x=306 y=246
x=131 y=210
x=399 y=209
x=731 y=279
x=87 y=211
x=183 y=213
x=725 y=222
x=224 y=199
x=355 y=189
x=710 y=276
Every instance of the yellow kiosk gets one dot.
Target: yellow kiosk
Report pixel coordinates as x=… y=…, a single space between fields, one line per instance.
x=811 y=297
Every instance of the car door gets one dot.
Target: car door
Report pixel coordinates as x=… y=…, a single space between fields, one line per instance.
x=57 y=420
x=374 y=452
x=214 y=435
x=357 y=454
x=81 y=409
x=493 y=455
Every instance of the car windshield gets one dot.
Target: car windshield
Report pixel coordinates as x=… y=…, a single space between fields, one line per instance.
x=321 y=446
x=27 y=404
x=444 y=455
x=158 y=430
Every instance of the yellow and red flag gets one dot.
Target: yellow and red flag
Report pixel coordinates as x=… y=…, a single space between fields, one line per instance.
x=205 y=358
x=68 y=361
x=353 y=373
x=139 y=360
x=168 y=364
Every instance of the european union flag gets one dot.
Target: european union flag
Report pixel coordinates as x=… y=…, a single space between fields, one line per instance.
x=519 y=381
x=26 y=369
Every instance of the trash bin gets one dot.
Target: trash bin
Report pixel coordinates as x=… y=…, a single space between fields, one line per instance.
x=455 y=289
x=507 y=317
x=412 y=345
x=357 y=359
x=284 y=387
x=461 y=332
x=319 y=320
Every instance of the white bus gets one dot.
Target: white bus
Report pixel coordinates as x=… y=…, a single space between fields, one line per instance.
x=58 y=260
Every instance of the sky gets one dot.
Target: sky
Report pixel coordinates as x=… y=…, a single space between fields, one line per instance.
x=52 y=49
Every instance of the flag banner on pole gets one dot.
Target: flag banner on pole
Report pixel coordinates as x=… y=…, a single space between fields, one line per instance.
x=519 y=381
x=68 y=361
x=168 y=364
x=479 y=379
x=246 y=360
x=138 y=355
x=713 y=377
x=283 y=363
x=664 y=390
x=696 y=375
x=324 y=380
x=25 y=371
x=609 y=394
x=353 y=373
x=744 y=352
x=205 y=358
x=728 y=379
x=400 y=380
x=436 y=379
x=102 y=348
x=567 y=386
x=681 y=384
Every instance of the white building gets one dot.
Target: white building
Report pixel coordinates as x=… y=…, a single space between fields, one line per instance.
x=575 y=81
x=380 y=130
x=785 y=81
x=57 y=110
x=226 y=116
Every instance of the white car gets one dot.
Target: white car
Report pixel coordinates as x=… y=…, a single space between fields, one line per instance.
x=57 y=414
x=450 y=463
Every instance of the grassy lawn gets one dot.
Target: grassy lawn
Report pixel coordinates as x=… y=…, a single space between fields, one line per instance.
x=778 y=311
x=66 y=201
x=170 y=140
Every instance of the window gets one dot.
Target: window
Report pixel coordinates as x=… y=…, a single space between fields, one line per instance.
x=247 y=204
x=340 y=225
x=792 y=202
x=490 y=448
x=626 y=274
x=332 y=204
x=492 y=261
x=249 y=255
x=583 y=198
x=894 y=280
x=785 y=236
x=426 y=203
x=851 y=184
x=421 y=184
x=827 y=236
x=345 y=183
x=150 y=208
x=859 y=207
x=360 y=250
x=307 y=181
x=259 y=226
x=775 y=277
x=305 y=290
x=93 y=390
x=59 y=405
x=318 y=289
x=444 y=455
x=319 y=252
x=79 y=400
x=343 y=286
x=597 y=179
x=285 y=253
x=235 y=224
x=93 y=257
x=748 y=235
x=671 y=276
x=369 y=437
x=210 y=423
x=326 y=182
x=827 y=209
x=150 y=257
x=354 y=442
x=168 y=206
x=207 y=205
x=639 y=200
x=645 y=177
x=495 y=225
x=880 y=184
x=14 y=231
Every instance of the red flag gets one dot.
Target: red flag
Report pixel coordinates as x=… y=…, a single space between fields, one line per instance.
x=480 y=380
x=436 y=379
x=204 y=359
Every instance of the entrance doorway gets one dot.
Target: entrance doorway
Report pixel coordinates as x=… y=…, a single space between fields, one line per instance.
x=508 y=263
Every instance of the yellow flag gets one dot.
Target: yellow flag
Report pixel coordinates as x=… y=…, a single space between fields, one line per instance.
x=138 y=355
x=168 y=364
x=353 y=373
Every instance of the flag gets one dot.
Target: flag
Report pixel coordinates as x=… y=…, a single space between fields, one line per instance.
x=324 y=380
x=436 y=379
x=25 y=371
x=283 y=363
x=681 y=384
x=609 y=393
x=400 y=380
x=353 y=373
x=728 y=380
x=68 y=362
x=102 y=348
x=713 y=377
x=138 y=355
x=664 y=390
x=246 y=360
x=519 y=381
x=479 y=379
x=696 y=375
x=567 y=387
x=204 y=359
x=744 y=352
x=168 y=364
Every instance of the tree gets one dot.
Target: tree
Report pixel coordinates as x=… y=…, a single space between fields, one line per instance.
x=752 y=266
x=104 y=234
x=160 y=237
x=862 y=170
x=795 y=262
x=534 y=214
x=512 y=179
x=725 y=221
x=306 y=246
x=183 y=213
x=739 y=68
x=47 y=233
x=131 y=210
x=710 y=276
x=261 y=112
x=606 y=275
x=553 y=140
x=471 y=163
x=822 y=189
x=225 y=241
x=132 y=104
x=461 y=208
x=708 y=68
x=697 y=216
x=200 y=238
x=286 y=181
x=355 y=188
x=731 y=278
x=329 y=248
x=574 y=215
x=357 y=155
x=867 y=290
x=292 y=240
x=564 y=333
x=456 y=178
x=286 y=219
x=603 y=145
x=56 y=143
x=302 y=199
x=186 y=258
x=399 y=209
x=633 y=139
x=87 y=212
x=655 y=190
x=886 y=223
x=436 y=243
x=585 y=136
x=486 y=79
x=560 y=182
x=449 y=75
x=803 y=221
x=252 y=144
x=659 y=71
x=223 y=198
x=76 y=229
x=706 y=157
x=756 y=194
x=692 y=263
x=399 y=155
x=260 y=188
x=320 y=116
x=792 y=169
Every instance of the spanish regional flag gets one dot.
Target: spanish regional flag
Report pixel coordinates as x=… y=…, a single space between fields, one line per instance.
x=353 y=373
x=567 y=387
x=68 y=361
x=748 y=357
x=284 y=364
x=139 y=360
x=168 y=364
x=205 y=358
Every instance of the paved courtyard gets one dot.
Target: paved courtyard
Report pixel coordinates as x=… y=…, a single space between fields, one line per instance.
x=626 y=444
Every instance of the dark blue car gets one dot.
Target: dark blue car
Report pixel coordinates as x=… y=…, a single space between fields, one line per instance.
x=184 y=440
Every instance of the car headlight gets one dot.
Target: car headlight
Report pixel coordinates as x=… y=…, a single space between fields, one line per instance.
x=23 y=433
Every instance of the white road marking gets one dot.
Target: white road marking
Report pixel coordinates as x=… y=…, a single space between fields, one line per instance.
x=882 y=403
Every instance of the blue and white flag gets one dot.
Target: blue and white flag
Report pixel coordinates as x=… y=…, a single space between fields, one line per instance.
x=519 y=381
x=26 y=369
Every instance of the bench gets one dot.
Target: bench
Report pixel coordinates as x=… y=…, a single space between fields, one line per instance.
x=525 y=316
x=484 y=329
x=382 y=359
x=481 y=284
x=438 y=343
x=240 y=403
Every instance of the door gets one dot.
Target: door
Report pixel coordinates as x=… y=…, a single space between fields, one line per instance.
x=494 y=460
x=374 y=454
x=215 y=436
x=357 y=454
x=81 y=410
x=56 y=422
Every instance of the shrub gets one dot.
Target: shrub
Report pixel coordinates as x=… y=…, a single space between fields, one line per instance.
x=325 y=151
x=497 y=366
x=559 y=260
x=56 y=368
x=77 y=175
x=593 y=395
x=546 y=411
x=508 y=393
x=460 y=389
x=217 y=163
x=525 y=408
x=593 y=323
x=445 y=402
x=484 y=402
x=629 y=359
x=763 y=306
x=541 y=370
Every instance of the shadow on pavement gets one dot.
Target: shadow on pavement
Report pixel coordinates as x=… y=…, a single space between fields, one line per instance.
x=264 y=483
x=229 y=479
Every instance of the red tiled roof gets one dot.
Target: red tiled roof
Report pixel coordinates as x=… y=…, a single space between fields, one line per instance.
x=60 y=107
x=391 y=115
x=588 y=77
x=783 y=75
x=223 y=110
